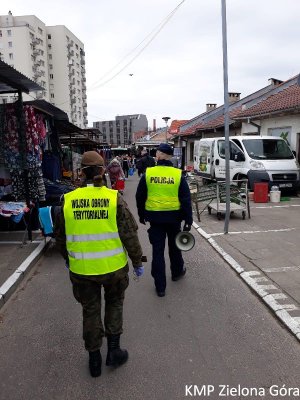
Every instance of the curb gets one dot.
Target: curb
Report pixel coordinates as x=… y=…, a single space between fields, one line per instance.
x=10 y=285
x=252 y=279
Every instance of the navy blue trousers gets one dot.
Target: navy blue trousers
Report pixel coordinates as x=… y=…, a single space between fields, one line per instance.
x=157 y=236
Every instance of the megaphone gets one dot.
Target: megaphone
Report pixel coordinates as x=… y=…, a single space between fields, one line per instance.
x=184 y=241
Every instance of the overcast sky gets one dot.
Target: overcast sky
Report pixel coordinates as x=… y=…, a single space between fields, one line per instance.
x=181 y=67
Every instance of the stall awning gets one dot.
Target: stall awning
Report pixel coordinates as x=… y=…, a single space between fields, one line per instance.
x=49 y=109
x=11 y=80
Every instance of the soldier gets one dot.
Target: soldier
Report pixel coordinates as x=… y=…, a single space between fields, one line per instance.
x=163 y=198
x=91 y=230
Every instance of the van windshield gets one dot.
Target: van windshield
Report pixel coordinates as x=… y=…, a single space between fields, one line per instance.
x=268 y=149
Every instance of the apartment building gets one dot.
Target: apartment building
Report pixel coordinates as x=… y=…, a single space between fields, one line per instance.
x=52 y=56
x=121 y=131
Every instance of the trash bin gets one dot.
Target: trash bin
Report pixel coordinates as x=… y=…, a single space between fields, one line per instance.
x=261 y=190
x=275 y=194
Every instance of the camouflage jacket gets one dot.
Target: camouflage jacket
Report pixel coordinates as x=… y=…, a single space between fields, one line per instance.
x=127 y=231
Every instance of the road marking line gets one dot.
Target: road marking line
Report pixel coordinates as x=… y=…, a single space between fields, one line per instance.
x=240 y=232
x=20 y=242
x=282 y=269
x=286 y=206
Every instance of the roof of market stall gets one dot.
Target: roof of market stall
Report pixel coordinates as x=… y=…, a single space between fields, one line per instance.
x=11 y=80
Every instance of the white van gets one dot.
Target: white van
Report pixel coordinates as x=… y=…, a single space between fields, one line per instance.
x=256 y=158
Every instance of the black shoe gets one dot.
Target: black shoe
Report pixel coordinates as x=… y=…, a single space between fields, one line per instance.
x=95 y=363
x=115 y=355
x=160 y=293
x=181 y=275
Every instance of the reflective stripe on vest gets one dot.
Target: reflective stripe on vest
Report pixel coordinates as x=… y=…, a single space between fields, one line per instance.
x=93 y=242
x=162 y=188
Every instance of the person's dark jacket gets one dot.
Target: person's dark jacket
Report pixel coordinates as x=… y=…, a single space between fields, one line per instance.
x=145 y=162
x=185 y=212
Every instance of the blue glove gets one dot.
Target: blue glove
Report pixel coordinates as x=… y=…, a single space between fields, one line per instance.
x=138 y=271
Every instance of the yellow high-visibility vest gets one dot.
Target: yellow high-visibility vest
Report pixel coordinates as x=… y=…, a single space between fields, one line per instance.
x=162 y=188
x=93 y=242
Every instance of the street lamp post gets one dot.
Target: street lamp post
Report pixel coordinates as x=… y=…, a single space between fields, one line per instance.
x=166 y=119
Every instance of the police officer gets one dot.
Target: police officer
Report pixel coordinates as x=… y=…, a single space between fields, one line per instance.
x=91 y=230
x=163 y=198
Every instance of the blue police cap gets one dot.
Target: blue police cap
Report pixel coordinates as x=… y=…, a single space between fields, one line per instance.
x=165 y=148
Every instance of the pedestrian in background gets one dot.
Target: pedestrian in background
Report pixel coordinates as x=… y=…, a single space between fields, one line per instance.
x=115 y=171
x=144 y=162
x=93 y=230
x=163 y=198
x=125 y=165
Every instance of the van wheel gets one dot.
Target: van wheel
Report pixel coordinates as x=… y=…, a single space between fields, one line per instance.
x=239 y=177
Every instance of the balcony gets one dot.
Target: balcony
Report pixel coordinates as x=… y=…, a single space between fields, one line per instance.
x=71 y=53
x=40 y=95
x=38 y=73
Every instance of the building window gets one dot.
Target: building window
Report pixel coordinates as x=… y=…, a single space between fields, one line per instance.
x=9 y=44
x=40 y=31
x=52 y=95
x=49 y=46
x=11 y=56
x=0 y=33
x=49 y=36
x=8 y=32
x=51 y=76
x=50 y=66
x=50 y=56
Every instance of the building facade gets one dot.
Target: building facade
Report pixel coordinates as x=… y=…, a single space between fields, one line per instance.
x=52 y=56
x=121 y=131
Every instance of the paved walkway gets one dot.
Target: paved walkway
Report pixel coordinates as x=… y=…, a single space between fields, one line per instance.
x=17 y=258
x=265 y=251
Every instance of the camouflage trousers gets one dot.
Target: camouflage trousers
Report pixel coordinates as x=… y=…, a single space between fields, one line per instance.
x=87 y=291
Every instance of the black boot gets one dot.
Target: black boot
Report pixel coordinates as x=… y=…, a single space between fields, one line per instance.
x=115 y=355
x=95 y=362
